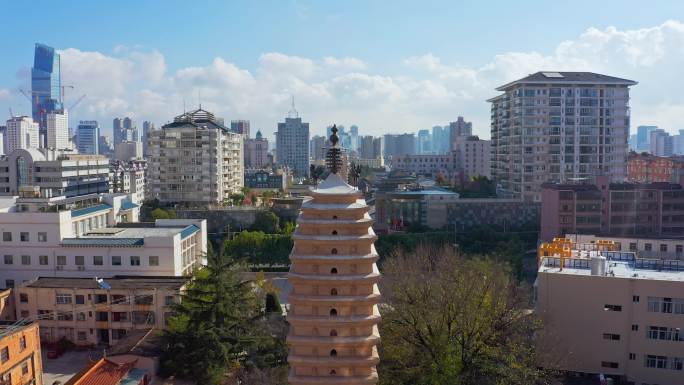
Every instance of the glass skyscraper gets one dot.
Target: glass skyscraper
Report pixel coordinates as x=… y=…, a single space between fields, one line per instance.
x=88 y=137
x=45 y=87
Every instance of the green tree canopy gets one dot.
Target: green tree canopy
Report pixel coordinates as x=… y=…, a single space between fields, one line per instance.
x=217 y=329
x=454 y=320
x=267 y=222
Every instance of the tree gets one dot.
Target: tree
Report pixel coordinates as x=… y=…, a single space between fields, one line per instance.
x=449 y=319
x=267 y=222
x=160 y=213
x=217 y=328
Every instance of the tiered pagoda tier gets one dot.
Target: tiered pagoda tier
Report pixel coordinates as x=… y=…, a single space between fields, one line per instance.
x=333 y=304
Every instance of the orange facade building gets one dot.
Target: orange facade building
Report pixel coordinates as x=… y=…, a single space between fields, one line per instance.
x=20 y=361
x=333 y=316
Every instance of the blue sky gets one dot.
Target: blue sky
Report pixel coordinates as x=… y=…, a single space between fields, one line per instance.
x=385 y=65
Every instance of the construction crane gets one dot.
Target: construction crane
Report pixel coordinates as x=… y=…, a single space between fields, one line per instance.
x=76 y=103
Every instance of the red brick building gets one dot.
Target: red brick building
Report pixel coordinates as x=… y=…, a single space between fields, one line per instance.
x=647 y=168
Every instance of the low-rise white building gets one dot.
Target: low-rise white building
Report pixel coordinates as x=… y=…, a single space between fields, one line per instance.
x=94 y=235
x=55 y=172
x=129 y=177
x=613 y=314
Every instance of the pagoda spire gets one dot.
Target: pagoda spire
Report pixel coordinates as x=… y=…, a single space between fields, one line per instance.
x=333 y=159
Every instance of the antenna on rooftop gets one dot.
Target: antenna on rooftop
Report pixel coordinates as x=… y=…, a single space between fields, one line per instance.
x=199 y=98
x=293 y=112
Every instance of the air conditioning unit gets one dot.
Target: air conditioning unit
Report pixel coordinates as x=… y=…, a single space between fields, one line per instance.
x=60 y=267
x=81 y=268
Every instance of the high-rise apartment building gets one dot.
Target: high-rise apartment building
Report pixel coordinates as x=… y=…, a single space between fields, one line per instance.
x=643 y=139
x=124 y=130
x=398 y=144
x=128 y=150
x=58 y=130
x=256 y=152
x=292 y=144
x=3 y=140
x=46 y=87
x=559 y=126
x=370 y=147
x=317 y=146
x=240 y=127
x=88 y=137
x=354 y=137
x=195 y=160
x=441 y=139
x=147 y=127
x=22 y=132
x=424 y=143
x=459 y=129
x=661 y=143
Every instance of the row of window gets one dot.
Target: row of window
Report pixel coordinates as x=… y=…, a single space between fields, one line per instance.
x=5 y=353
x=653 y=333
x=79 y=260
x=24 y=236
x=666 y=305
x=137 y=317
x=114 y=299
x=664 y=362
x=649 y=247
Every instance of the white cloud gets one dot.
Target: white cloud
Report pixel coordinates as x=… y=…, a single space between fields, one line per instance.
x=346 y=90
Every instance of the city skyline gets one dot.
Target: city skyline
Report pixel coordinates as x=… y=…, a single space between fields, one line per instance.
x=419 y=83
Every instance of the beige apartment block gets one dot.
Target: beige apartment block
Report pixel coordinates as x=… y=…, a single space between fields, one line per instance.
x=88 y=311
x=334 y=314
x=610 y=312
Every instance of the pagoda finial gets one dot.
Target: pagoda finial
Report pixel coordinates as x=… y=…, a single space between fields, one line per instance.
x=333 y=158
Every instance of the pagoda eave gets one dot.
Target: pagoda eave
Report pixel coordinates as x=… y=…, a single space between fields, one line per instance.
x=333 y=380
x=346 y=361
x=333 y=321
x=331 y=342
x=332 y=299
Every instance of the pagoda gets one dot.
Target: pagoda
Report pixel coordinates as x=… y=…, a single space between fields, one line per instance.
x=334 y=313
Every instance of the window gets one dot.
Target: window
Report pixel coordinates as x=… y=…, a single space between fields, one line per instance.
x=146 y=299
x=153 y=260
x=45 y=314
x=24 y=368
x=119 y=299
x=25 y=259
x=635 y=327
x=79 y=260
x=169 y=300
x=24 y=236
x=4 y=355
x=9 y=283
x=143 y=317
x=24 y=314
x=22 y=343
x=663 y=247
x=333 y=312
x=608 y=364
x=333 y=372
x=333 y=291
x=612 y=308
x=632 y=246
x=333 y=353
x=97 y=260
x=119 y=316
x=648 y=247
x=61 y=260
x=333 y=270
x=101 y=316
x=9 y=259
x=80 y=317
x=677 y=363
x=80 y=299
x=100 y=298
x=333 y=333
x=679 y=249
x=610 y=336
x=635 y=298
x=6 y=236
x=65 y=316
x=23 y=297
x=333 y=251
x=62 y=299
x=81 y=336
x=42 y=237
x=334 y=232
x=135 y=260
x=116 y=260
x=43 y=259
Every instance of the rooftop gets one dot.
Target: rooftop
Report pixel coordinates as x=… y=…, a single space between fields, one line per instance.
x=638 y=269
x=130 y=235
x=116 y=283
x=106 y=372
x=545 y=77
x=333 y=185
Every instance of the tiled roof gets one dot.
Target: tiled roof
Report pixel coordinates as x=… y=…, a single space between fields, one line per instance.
x=568 y=77
x=102 y=372
x=103 y=242
x=188 y=231
x=90 y=210
x=116 y=282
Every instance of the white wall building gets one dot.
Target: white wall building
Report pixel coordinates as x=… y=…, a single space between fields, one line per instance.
x=195 y=160
x=22 y=132
x=58 y=130
x=93 y=236
x=613 y=314
x=129 y=177
x=128 y=150
x=55 y=172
